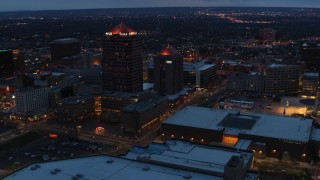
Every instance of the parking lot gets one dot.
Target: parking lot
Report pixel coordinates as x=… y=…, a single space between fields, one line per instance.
x=266 y=105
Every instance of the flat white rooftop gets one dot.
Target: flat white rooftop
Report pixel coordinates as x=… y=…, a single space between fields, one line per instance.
x=265 y=125
x=182 y=153
x=97 y=168
x=147 y=86
x=277 y=65
x=183 y=92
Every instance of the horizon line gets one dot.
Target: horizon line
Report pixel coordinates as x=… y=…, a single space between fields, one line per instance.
x=68 y=9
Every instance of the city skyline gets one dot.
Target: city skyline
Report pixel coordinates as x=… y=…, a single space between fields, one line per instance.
x=211 y=92
x=20 y=5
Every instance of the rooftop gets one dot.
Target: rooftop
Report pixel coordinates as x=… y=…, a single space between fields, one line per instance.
x=277 y=65
x=146 y=104
x=66 y=40
x=122 y=30
x=312 y=44
x=168 y=51
x=242 y=144
x=272 y=126
x=75 y=99
x=205 y=67
x=30 y=89
x=194 y=66
x=118 y=94
x=103 y=167
x=311 y=75
x=147 y=86
x=189 y=155
x=183 y=92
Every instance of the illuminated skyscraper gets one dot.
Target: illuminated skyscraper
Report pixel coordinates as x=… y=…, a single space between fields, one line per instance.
x=122 y=60
x=168 y=72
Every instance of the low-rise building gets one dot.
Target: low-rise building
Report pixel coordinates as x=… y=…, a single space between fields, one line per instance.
x=227 y=163
x=198 y=74
x=170 y=160
x=140 y=116
x=105 y=167
x=275 y=135
x=31 y=99
x=115 y=101
x=310 y=85
x=242 y=82
x=76 y=108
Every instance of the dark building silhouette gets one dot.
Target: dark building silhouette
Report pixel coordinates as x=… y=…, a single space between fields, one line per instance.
x=66 y=51
x=168 y=71
x=122 y=60
x=66 y=92
x=310 y=53
x=6 y=63
x=20 y=67
x=23 y=81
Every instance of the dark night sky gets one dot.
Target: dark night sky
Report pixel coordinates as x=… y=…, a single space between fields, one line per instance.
x=12 y=5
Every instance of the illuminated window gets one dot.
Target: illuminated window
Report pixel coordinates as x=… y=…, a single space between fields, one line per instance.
x=229 y=139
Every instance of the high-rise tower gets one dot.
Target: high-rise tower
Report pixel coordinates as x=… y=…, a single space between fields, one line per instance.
x=6 y=63
x=122 y=60
x=168 y=71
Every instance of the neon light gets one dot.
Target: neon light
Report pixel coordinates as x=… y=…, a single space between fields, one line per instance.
x=5 y=50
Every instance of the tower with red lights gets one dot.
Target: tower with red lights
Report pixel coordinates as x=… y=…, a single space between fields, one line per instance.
x=122 y=60
x=168 y=71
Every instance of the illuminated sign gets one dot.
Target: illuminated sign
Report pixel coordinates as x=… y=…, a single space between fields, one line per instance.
x=122 y=34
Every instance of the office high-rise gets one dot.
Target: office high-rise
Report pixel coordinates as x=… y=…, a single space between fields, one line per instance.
x=65 y=49
x=122 y=60
x=6 y=63
x=168 y=72
x=310 y=54
x=282 y=79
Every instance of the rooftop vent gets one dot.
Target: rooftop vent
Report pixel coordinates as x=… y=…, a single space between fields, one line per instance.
x=35 y=167
x=187 y=176
x=146 y=168
x=55 y=171
x=110 y=161
x=79 y=175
